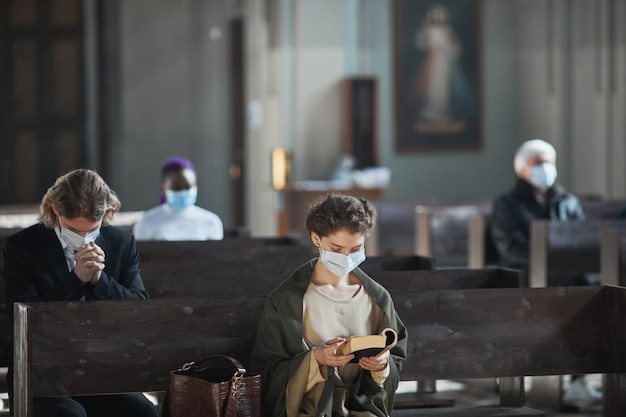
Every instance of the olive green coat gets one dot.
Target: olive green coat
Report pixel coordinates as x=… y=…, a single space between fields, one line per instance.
x=279 y=349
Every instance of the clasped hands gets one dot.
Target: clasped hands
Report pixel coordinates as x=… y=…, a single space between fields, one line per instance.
x=328 y=354
x=89 y=263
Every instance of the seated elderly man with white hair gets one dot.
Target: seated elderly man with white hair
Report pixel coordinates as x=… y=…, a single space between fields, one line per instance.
x=536 y=195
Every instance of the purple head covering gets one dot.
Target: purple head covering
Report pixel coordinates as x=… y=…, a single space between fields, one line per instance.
x=175 y=163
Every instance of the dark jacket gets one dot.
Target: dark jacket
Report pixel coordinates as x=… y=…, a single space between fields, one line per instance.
x=33 y=268
x=513 y=212
x=279 y=351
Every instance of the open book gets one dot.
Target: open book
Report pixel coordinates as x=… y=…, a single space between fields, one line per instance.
x=371 y=345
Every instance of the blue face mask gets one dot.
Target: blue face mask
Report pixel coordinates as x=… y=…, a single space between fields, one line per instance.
x=340 y=264
x=180 y=200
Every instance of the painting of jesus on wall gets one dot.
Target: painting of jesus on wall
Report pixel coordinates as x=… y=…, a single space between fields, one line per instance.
x=437 y=97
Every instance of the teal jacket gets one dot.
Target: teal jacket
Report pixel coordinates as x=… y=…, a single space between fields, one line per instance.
x=278 y=350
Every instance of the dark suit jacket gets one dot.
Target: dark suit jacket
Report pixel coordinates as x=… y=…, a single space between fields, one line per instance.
x=34 y=268
x=512 y=215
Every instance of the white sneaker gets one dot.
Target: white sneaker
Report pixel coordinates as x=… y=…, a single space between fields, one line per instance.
x=581 y=393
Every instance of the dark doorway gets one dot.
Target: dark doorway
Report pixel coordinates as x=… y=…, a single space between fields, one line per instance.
x=42 y=95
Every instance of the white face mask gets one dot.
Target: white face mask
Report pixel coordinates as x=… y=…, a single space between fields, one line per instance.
x=543 y=176
x=340 y=264
x=74 y=240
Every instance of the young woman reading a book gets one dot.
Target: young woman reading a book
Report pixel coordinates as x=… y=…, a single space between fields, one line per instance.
x=308 y=318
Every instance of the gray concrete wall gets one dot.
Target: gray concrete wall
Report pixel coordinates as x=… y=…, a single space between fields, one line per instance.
x=483 y=172
x=324 y=57
x=175 y=99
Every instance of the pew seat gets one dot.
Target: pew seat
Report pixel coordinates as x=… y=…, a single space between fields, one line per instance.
x=130 y=346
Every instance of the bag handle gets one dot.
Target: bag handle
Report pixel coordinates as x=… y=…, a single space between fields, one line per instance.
x=238 y=366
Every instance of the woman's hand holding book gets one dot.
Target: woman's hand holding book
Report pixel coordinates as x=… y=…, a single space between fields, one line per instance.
x=329 y=353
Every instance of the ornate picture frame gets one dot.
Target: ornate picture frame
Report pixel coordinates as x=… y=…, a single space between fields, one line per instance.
x=437 y=55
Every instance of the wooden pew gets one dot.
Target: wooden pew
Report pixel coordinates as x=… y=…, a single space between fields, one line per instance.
x=602 y=208
x=613 y=256
x=122 y=346
x=185 y=264
x=561 y=249
x=426 y=394
x=188 y=268
x=396 y=282
x=557 y=248
x=130 y=346
x=179 y=269
x=398 y=263
x=237 y=279
x=174 y=264
x=175 y=249
x=186 y=283
x=398 y=230
x=561 y=330
x=6 y=343
x=441 y=231
x=172 y=260
x=255 y=266
x=230 y=264
x=250 y=266
x=6 y=340
x=439 y=227
x=482 y=251
x=566 y=248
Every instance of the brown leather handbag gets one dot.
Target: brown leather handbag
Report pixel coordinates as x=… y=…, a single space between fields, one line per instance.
x=215 y=386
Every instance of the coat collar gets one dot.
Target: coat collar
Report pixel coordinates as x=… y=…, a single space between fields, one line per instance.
x=524 y=189
x=52 y=251
x=54 y=256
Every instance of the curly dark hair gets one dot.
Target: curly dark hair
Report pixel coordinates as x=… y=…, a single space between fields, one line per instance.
x=337 y=211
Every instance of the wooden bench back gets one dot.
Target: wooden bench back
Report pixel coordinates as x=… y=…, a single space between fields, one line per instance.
x=126 y=346
x=150 y=250
x=511 y=332
x=183 y=261
x=6 y=329
x=613 y=256
x=482 y=251
x=228 y=267
x=566 y=248
x=397 y=226
x=442 y=231
x=397 y=282
x=183 y=264
x=161 y=286
x=398 y=263
x=602 y=209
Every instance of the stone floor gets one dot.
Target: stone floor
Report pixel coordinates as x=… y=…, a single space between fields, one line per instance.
x=483 y=392
x=468 y=393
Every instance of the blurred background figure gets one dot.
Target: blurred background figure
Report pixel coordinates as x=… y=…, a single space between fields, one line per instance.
x=177 y=217
x=537 y=195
